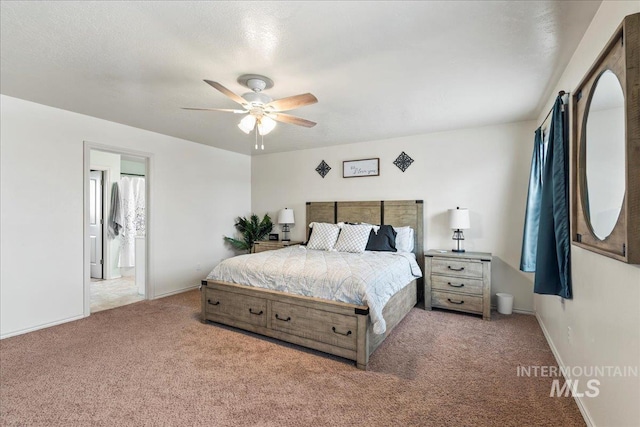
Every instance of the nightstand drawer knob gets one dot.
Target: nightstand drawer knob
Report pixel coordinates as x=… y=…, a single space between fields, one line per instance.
x=456 y=286
x=455 y=302
x=455 y=269
x=213 y=303
x=256 y=313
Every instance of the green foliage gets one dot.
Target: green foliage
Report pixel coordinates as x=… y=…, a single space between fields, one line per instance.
x=252 y=229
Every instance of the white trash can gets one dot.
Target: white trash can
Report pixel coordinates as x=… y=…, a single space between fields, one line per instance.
x=505 y=303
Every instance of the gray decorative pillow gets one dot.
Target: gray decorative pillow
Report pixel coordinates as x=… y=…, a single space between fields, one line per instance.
x=353 y=238
x=324 y=236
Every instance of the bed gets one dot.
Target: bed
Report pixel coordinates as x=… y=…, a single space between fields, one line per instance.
x=336 y=327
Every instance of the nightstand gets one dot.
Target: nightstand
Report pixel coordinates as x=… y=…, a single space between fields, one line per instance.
x=458 y=281
x=272 y=245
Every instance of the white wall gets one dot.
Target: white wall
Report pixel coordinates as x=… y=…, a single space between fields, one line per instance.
x=484 y=169
x=196 y=192
x=604 y=314
x=100 y=159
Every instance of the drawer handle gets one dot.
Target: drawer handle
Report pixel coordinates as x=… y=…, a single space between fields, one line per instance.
x=253 y=312
x=455 y=302
x=340 y=333
x=456 y=286
x=455 y=269
x=213 y=303
x=284 y=320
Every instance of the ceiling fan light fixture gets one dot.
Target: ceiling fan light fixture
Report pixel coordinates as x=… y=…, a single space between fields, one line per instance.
x=266 y=125
x=247 y=124
x=262 y=112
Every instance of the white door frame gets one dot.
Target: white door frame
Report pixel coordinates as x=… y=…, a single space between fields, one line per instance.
x=88 y=146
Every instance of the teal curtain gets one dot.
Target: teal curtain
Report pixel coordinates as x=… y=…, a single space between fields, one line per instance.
x=532 y=214
x=553 y=255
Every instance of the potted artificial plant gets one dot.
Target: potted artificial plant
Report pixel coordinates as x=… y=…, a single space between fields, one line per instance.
x=252 y=229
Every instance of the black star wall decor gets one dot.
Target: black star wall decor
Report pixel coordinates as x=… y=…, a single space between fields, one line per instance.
x=323 y=169
x=403 y=161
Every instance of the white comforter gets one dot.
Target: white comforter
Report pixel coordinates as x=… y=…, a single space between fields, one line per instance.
x=369 y=278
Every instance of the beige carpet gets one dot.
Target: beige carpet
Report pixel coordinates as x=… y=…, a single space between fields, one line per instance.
x=153 y=363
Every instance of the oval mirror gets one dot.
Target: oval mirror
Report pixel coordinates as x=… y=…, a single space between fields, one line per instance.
x=605 y=155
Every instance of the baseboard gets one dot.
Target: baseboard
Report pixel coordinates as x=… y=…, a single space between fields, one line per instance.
x=179 y=291
x=517 y=310
x=556 y=354
x=43 y=326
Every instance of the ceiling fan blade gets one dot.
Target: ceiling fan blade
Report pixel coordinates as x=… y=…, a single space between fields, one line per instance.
x=287 y=118
x=227 y=92
x=292 y=102
x=226 y=110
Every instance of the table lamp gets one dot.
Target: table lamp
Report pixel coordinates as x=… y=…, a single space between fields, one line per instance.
x=458 y=221
x=285 y=218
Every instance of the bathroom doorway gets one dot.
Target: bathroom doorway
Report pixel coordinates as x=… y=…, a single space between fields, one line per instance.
x=124 y=227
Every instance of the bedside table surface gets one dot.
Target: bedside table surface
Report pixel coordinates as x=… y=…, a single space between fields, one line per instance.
x=272 y=245
x=485 y=256
x=278 y=242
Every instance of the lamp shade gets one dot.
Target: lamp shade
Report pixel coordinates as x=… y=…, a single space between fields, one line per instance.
x=459 y=219
x=285 y=216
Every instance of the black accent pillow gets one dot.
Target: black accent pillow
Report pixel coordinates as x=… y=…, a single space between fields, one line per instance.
x=383 y=241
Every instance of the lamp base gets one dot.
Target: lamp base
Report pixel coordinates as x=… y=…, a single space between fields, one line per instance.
x=457 y=236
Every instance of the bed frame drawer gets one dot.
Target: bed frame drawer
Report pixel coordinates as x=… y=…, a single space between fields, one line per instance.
x=457 y=284
x=331 y=328
x=236 y=306
x=450 y=267
x=454 y=301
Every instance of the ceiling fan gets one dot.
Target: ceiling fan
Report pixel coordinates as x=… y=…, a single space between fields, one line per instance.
x=262 y=111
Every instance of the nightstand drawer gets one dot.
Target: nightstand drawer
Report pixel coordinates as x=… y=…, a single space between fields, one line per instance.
x=272 y=245
x=452 y=267
x=457 y=284
x=454 y=301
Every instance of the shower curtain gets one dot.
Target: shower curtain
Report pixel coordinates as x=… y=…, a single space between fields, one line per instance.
x=132 y=191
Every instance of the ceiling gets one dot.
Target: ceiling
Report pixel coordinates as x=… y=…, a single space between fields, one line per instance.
x=379 y=69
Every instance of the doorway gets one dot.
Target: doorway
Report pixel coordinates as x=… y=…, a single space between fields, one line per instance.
x=116 y=227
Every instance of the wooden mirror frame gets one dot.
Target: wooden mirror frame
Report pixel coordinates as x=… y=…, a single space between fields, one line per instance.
x=621 y=56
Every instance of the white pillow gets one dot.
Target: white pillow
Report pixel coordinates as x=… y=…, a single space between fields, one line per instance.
x=353 y=238
x=324 y=236
x=405 y=239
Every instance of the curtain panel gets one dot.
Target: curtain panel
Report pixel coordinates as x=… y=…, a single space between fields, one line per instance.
x=532 y=213
x=547 y=215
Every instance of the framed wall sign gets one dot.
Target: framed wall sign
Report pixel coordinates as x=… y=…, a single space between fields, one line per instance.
x=358 y=168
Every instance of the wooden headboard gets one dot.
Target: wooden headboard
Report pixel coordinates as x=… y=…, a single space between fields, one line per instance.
x=398 y=213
